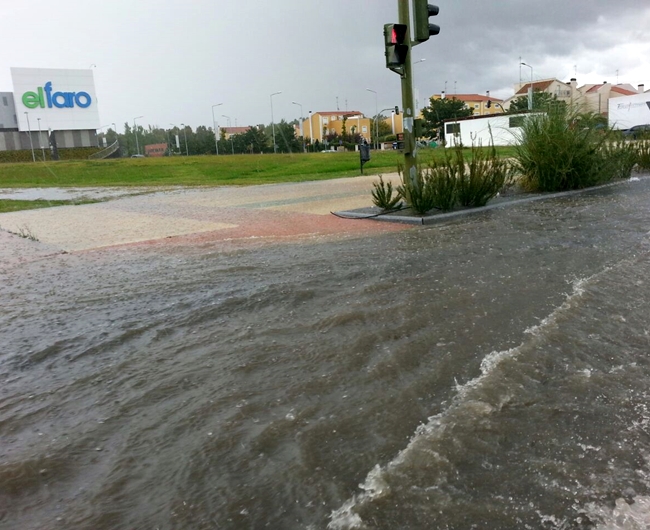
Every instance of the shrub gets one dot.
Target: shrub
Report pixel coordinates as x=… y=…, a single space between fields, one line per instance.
x=419 y=194
x=382 y=195
x=442 y=180
x=482 y=178
x=557 y=153
x=617 y=159
x=643 y=154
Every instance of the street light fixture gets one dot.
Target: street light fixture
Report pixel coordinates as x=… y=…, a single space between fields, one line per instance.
x=302 y=133
x=187 y=149
x=275 y=149
x=135 y=131
x=376 y=117
x=530 y=90
x=29 y=132
x=232 y=144
x=214 y=126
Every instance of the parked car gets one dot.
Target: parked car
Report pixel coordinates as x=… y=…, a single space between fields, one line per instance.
x=637 y=131
x=137 y=156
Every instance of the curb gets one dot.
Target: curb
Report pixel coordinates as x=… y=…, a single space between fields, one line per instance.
x=373 y=213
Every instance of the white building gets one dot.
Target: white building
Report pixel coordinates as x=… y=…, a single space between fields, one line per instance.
x=49 y=107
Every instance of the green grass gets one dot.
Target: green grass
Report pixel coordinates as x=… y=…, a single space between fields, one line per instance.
x=11 y=205
x=205 y=170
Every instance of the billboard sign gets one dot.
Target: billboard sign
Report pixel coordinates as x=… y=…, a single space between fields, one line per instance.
x=64 y=100
x=627 y=111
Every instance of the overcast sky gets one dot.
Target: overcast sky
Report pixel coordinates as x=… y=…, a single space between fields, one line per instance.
x=170 y=61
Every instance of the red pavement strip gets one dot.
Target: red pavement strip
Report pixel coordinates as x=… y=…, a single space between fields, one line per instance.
x=252 y=227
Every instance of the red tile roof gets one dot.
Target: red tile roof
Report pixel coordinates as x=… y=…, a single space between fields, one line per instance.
x=538 y=85
x=235 y=130
x=623 y=91
x=471 y=97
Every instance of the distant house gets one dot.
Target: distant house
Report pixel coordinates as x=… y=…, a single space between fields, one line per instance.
x=587 y=98
x=231 y=131
x=595 y=98
x=561 y=90
x=155 y=149
x=476 y=102
x=323 y=123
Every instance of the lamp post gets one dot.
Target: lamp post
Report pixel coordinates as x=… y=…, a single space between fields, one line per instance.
x=311 y=133
x=187 y=149
x=530 y=90
x=232 y=145
x=302 y=133
x=135 y=131
x=29 y=132
x=40 y=139
x=214 y=126
x=275 y=149
x=376 y=116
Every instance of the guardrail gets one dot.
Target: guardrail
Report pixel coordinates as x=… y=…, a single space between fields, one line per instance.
x=108 y=151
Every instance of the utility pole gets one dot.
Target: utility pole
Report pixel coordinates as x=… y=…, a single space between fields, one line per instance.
x=410 y=151
x=398 y=41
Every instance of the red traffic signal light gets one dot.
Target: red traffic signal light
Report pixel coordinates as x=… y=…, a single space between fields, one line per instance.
x=396 y=45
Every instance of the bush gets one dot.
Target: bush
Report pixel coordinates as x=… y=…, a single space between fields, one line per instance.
x=382 y=195
x=481 y=179
x=556 y=153
x=419 y=194
x=445 y=184
x=643 y=154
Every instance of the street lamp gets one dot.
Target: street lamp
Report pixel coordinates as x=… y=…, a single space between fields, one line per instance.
x=214 y=126
x=40 y=138
x=311 y=133
x=187 y=149
x=376 y=116
x=232 y=144
x=275 y=149
x=530 y=90
x=135 y=131
x=29 y=132
x=302 y=133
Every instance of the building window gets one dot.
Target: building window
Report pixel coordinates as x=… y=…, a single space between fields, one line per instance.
x=452 y=128
x=4 y=101
x=476 y=105
x=516 y=121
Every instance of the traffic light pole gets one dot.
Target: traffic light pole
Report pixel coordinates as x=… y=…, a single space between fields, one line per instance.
x=410 y=150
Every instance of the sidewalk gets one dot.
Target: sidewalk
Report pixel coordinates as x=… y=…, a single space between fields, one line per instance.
x=225 y=213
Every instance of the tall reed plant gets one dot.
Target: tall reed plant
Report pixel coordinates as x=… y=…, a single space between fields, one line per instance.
x=445 y=184
x=556 y=152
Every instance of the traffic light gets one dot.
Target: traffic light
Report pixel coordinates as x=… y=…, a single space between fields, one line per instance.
x=396 y=110
x=395 y=39
x=421 y=13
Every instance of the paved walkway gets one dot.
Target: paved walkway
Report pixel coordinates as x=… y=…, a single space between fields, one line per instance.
x=225 y=213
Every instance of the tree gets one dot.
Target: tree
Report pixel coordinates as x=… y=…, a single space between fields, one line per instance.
x=541 y=101
x=440 y=110
x=255 y=140
x=285 y=138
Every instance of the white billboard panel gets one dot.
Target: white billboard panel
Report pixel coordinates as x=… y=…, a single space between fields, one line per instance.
x=628 y=111
x=64 y=100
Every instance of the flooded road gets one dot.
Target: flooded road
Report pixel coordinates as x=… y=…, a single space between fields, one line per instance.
x=489 y=372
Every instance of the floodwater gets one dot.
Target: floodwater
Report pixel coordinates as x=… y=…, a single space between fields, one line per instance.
x=490 y=372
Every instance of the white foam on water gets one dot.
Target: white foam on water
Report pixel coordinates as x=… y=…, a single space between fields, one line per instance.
x=376 y=486
x=623 y=516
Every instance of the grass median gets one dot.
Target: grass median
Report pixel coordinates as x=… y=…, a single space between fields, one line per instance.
x=223 y=170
